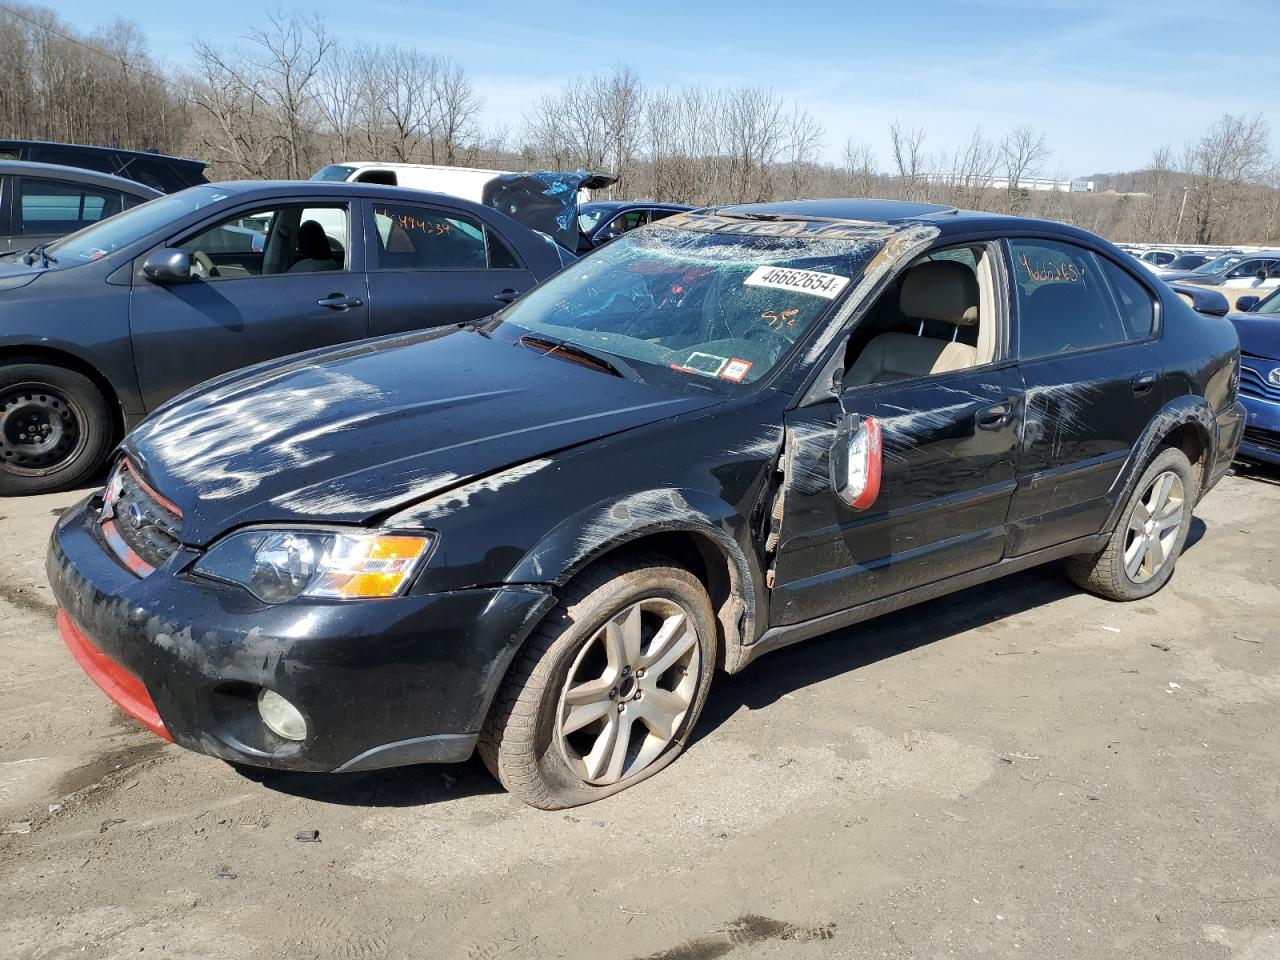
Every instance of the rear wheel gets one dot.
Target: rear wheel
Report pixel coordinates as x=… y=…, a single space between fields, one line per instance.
x=606 y=692
x=1139 y=558
x=55 y=429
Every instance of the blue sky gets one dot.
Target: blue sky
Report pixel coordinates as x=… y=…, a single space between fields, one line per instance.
x=1107 y=80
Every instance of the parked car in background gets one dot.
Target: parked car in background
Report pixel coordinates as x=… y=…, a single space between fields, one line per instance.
x=100 y=327
x=547 y=202
x=1183 y=261
x=1258 y=325
x=1236 y=274
x=40 y=202
x=603 y=220
x=156 y=170
x=1155 y=258
x=541 y=535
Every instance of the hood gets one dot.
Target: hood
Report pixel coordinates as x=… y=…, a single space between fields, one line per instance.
x=545 y=202
x=357 y=433
x=1170 y=275
x=1259 y=333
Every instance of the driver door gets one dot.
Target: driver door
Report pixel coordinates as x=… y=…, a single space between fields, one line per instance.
x=254 y=296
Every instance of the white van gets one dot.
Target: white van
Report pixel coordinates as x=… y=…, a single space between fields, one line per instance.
x=546 y=201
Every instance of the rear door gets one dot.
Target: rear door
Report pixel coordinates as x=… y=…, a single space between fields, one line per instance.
x=1084 y=326
x=432 y=265
x=258 y=295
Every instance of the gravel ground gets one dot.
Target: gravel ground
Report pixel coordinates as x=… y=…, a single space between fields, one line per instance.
x=1017 y=770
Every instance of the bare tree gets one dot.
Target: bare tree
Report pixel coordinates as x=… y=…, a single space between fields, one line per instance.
x=907 y=147
x=288 y=55
x=1231 y=154
x=1023 y=151
x=858 y=168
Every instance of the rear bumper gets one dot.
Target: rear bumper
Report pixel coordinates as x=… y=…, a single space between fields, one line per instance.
x=380 y=683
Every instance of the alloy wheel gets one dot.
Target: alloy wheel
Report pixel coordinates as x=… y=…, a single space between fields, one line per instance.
x=39 y=428
x=1153 y=527
x=628 y=691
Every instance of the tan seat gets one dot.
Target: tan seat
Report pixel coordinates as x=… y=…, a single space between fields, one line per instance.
x=939 y=290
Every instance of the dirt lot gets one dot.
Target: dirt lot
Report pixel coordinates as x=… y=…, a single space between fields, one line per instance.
x=1019 y=770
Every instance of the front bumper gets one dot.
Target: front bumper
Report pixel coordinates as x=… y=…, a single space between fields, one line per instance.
x=1261 y=430
x=381 y=683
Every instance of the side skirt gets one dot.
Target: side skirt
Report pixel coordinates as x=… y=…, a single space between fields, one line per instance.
x=777 y=637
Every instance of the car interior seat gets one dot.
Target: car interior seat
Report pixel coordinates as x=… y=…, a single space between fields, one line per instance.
x=314 y=253
x=937 y=290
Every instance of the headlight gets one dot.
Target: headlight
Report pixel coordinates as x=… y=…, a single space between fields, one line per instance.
x=277 y=565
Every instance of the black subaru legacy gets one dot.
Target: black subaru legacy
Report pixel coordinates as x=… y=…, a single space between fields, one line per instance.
x=541 y=535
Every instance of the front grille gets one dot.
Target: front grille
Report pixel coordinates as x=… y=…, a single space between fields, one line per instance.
x=1254 y=384
x=1262 y=438
x=140 y=526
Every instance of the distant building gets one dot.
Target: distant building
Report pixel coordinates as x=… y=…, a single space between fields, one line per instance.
x=1026 y=183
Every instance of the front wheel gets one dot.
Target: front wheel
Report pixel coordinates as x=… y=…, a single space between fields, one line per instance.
x=607 y=690
x=1139 y=558
x=55 y=429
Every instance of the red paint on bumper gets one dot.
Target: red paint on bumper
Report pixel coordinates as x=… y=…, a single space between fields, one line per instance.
x=119 y=684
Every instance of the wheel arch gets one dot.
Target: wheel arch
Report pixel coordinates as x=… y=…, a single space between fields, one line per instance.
x=1186 y=423
x=39 y=353
x=707 y=541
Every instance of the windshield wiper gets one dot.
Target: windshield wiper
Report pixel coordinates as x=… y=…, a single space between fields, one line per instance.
x=39 y=251
x=579 y=354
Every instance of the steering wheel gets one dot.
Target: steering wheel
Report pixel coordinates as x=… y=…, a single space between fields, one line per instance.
x=202 y=266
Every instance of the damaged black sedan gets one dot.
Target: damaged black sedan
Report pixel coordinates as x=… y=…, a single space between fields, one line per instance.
x=542 y=534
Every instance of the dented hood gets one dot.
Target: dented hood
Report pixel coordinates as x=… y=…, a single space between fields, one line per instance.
x=1259 y=333
x=547 y=202
x=355 y=434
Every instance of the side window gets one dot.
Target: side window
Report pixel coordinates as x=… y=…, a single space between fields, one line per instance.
x=419 y=238
x=628 y=221
x=1137 y=308
x=501 y=256
x=656 y=215
x=54 y=207
x=270 y=241
x=1245 y=269
x=1064 y=303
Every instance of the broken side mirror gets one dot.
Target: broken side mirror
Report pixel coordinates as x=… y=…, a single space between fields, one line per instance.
x=857 y=459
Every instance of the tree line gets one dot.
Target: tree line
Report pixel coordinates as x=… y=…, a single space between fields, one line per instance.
x=288 y=98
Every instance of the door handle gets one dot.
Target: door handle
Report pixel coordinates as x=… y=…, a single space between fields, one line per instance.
x=1143 y=382
x=995 y=416
x=339 y=301
x=507 y=295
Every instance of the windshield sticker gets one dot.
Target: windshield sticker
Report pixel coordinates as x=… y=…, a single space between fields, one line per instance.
x=825 y=285
x=707 y=364
x=735 y=370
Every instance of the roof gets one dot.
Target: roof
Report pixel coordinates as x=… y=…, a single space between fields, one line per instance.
x=624 y=204
x=78 y=175
x=96 y=149
x=885 y=217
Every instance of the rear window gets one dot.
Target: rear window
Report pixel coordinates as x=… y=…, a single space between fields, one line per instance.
x=420 y=238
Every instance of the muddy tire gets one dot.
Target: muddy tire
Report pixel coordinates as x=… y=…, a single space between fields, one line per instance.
x=1144 y=547
x=55 y=428
x=606 y=692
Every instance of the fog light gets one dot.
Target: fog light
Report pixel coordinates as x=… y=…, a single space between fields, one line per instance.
x=281 y=717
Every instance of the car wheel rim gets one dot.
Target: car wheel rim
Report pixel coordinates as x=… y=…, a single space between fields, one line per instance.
x=1153 y=528
x=39 y=429
x=628 y=691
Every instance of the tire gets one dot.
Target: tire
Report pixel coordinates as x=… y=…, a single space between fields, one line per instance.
x=532 y=741
x=1111 y=572
x=55 y=429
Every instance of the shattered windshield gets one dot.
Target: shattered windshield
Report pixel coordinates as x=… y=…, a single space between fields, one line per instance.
x=693 y=308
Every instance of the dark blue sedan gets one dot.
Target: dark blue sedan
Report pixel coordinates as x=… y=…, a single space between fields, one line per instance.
x=103 y=326
x=1259 y=330
x=603 y=220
